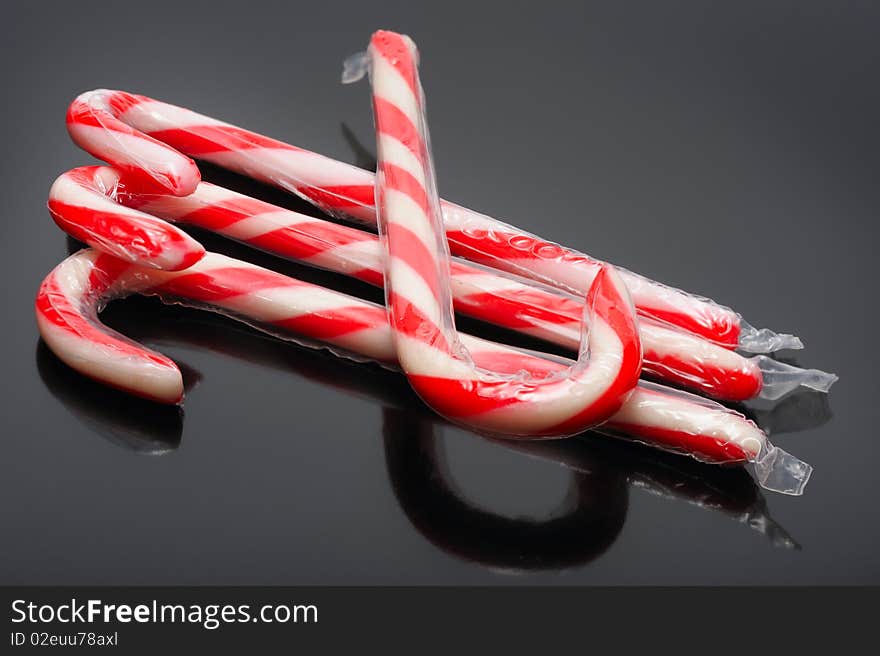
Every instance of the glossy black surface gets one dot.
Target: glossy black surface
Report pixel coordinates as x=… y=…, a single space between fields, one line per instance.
x=731 y=151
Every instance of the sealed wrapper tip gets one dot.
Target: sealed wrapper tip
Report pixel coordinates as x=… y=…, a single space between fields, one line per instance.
x=355 y=67
x=780 y=378
x=779 y=471
x=764 y=340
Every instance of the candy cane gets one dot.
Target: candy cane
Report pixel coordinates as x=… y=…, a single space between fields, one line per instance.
x=71 y=296
x=80 y=195
x=419 y=299
x=130 y=132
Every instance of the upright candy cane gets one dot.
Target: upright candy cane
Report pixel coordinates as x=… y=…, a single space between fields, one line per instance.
x=72 y=295
x=418 y=294
x=136 y=130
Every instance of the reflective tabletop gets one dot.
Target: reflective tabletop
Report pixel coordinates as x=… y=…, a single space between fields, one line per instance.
x=729 y=152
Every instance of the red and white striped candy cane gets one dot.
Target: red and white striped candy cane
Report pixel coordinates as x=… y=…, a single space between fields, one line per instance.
x=71 y=296
x=419 y=299
x=143 y=127
x=673 y=356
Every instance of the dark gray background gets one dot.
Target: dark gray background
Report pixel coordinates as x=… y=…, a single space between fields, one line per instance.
x=726 y=148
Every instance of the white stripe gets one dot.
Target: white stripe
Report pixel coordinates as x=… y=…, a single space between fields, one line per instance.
x=391 y=86
x=690 y=348
x=420 y=359
x=116 y=145
x=486 y=282
x=366 y=254
x=153 y=115
x=278 y=303
x=67 y=190
x=375 y=343
x=291 y=168
x=410 y=285
x=402 y=210
x=261 y=224
x=392 y=150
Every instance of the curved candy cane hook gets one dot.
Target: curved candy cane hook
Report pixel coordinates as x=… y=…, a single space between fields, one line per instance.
x=82 y=204
x=93 y=124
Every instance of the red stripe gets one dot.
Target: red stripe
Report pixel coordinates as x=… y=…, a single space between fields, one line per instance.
x=339 y=197
x=460 y=399
x=224 y=283
x=719 y=329
x=369 y=276
x=120 y=102
x=217 y=216
x=202 y=140
x=410 y=321
x=401 y=180
x=95 y=227
x=405 y=245
x=303 y=241
x=332 y=324
x=106 y=269
x=398 y=53
x=608 y=403
x=500 y=248
x=738 y=384
x=704 y=447
x=391 y=120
